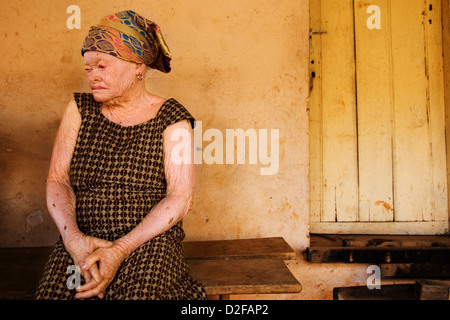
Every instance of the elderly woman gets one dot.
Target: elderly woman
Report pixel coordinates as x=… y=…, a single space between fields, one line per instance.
x=112 y=189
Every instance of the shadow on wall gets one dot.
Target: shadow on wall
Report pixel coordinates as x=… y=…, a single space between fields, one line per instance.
x=23 y=208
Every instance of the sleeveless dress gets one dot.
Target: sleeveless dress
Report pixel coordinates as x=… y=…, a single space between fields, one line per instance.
x=117 y=175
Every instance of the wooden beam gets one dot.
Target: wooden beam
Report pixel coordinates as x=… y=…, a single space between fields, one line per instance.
x=371 y=240
x=415 y=270
x=377 y=255
x=389 y=292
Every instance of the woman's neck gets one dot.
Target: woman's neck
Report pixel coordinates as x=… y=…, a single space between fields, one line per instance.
x=133 y=109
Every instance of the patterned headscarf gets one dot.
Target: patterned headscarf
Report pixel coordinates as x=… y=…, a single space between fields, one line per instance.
x=131 y=37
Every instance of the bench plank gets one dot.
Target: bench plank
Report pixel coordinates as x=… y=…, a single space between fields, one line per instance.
x=262 y=248
x=244 y=276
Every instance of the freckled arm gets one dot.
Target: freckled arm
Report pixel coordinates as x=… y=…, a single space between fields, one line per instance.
x=60 y=196
x=175 y=205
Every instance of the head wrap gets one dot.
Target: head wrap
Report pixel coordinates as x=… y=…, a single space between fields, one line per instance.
x=129 y=36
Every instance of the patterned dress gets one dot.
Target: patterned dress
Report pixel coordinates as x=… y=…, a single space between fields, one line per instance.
x=117 y=175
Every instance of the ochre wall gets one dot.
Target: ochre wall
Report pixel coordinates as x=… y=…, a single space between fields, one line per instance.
x=236 y=64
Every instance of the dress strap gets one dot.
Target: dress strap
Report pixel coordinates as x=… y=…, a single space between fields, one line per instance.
x=172 y=112
x=86 y=104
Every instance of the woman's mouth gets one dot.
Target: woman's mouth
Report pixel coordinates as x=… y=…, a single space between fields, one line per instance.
x=97 y=88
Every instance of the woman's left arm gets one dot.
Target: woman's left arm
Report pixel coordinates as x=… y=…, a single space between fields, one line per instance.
x=180 y=177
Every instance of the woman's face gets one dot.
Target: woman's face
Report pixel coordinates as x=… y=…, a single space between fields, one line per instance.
x=109 y=77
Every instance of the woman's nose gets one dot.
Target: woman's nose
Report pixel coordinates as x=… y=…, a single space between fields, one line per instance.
x=94 y=76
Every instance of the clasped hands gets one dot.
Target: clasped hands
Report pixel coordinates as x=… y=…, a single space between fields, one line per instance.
x=98 y=260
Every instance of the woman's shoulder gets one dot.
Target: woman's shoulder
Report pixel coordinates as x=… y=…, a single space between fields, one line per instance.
x=173 y=111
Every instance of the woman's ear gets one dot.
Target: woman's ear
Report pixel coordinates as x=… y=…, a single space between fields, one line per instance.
x=140 y=69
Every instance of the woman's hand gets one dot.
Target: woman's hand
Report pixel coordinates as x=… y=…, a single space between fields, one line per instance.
x=109 y=260
x=80 y=247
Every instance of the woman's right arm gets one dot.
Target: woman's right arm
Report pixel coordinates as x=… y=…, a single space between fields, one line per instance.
x=60 y=195
x=61 y=198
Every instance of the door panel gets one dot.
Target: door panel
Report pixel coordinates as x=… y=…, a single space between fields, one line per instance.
x=375 y=115
x=378 y=160
x=337 y=115
x=412 y=139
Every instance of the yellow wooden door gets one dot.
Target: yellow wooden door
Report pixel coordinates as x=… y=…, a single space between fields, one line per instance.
x=377 y=121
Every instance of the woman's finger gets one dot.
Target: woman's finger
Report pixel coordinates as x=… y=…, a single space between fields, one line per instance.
x=95 y=273
x=99 y=289
x=86 y=275
x=88 y=285
x=101 y=295
x=90 y=264
x=101 y=243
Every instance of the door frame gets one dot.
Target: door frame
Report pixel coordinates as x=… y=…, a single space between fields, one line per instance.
x=445 y=5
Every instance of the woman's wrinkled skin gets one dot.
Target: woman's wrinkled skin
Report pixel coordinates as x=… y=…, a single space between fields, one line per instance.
x=124 y=100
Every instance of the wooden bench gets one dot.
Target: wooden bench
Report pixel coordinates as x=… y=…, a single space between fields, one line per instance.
x=247 y=266
x=225 y=267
